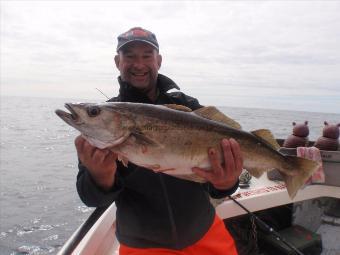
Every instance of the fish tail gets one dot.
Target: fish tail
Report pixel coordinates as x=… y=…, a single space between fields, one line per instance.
x=301 y=170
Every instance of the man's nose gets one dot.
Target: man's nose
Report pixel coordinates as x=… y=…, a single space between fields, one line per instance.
x=139 y=62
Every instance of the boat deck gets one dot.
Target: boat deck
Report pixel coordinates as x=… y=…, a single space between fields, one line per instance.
x=262 y=194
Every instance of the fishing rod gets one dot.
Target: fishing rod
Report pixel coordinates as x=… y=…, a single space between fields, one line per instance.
x=267 y=227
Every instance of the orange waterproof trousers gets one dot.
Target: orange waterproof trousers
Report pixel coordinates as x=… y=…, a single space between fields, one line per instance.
x=217 y=241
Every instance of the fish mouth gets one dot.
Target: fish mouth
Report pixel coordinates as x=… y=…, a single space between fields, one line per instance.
x=71 y=116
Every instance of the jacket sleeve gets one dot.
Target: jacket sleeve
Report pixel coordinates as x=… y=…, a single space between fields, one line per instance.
x=217 y=193
x=91 y=194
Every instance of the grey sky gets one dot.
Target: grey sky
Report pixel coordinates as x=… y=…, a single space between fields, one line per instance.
x=267 y=54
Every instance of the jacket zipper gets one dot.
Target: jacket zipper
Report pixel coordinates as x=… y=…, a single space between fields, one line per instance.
x=170 y=212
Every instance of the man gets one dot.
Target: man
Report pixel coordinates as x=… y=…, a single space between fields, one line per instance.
x=157 y=213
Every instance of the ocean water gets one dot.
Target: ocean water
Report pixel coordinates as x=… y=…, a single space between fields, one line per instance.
x=39 y=205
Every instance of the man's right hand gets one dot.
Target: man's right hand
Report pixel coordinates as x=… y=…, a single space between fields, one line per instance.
x=101 y=163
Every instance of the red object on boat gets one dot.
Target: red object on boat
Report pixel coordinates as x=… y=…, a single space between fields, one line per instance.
x=216 y=241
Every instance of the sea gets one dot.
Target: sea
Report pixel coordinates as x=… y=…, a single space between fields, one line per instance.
x=39 y=204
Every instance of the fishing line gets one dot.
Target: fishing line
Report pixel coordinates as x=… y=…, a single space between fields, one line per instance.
x=267 y=227
x=102 y=93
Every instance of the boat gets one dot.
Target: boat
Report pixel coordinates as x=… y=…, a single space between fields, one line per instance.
x=96 y=236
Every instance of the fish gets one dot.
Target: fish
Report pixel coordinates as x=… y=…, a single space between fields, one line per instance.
x=172 y=139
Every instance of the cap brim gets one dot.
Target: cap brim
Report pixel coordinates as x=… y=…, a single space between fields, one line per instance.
x=138 y=40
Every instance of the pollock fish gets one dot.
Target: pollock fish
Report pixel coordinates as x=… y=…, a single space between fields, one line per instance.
x=172 y=139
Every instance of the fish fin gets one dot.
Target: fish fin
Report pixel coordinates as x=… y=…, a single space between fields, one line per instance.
x=303 y=169
x=142 y=139
x=267 y=136
x=178 y=107
x=212 y=113
x=256 y=171
x=123 y=159
x=154 y=167
x=189 y=177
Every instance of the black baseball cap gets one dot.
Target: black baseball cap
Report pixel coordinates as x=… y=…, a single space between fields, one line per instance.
x=137 y=34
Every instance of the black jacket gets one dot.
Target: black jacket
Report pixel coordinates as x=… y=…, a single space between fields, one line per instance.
x=154 y=209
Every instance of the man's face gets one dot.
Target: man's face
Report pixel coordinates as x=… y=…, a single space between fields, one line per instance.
x=138 y=64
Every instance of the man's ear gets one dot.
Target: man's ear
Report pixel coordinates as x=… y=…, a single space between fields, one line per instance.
x=117 y=61
x=159 y=60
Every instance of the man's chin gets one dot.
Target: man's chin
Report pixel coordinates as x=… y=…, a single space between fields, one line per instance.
x=139 y=85
x=142 y=84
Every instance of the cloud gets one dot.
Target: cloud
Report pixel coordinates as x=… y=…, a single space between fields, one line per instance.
x=210 y=48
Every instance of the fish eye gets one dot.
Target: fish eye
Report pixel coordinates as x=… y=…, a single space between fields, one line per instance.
x=93 y=111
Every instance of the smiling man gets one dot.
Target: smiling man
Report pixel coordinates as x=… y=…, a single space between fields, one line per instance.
x=139 y=61
x=157 y=213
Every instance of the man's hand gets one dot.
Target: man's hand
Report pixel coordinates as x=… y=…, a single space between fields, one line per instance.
x=225 y=176
x=101 y=163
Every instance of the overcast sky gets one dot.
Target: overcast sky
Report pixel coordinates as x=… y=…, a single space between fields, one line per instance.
x=264 y=54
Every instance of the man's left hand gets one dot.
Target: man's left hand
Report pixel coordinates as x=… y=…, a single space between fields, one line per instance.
x=224 y=176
